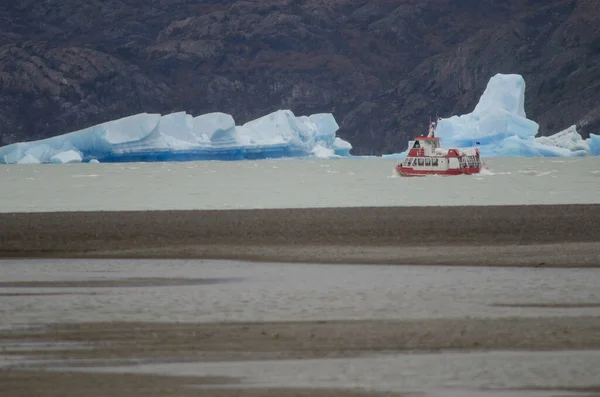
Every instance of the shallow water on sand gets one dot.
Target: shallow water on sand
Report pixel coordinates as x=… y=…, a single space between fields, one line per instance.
x=34 y=292
x=289 y=183
x=160 y=290
x=472 y=374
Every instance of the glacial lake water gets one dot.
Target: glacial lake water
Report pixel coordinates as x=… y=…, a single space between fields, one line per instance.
x=288 y=183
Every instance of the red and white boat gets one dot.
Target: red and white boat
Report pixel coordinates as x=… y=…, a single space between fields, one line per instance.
x=427 y=157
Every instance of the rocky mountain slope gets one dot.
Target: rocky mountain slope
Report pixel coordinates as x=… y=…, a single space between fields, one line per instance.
x=383 y=67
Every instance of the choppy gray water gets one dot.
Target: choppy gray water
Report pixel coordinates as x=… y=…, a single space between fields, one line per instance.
x=279 y=292
x=288 y=183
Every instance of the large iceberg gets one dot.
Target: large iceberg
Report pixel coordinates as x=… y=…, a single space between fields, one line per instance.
x=180 y=137
x=499 y=127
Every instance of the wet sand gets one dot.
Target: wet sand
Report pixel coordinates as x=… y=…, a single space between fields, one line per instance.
x=108 y=283
x=539 y=236
x=126 y=341
x=113 y=344
x=536 y=235
x=67 y=384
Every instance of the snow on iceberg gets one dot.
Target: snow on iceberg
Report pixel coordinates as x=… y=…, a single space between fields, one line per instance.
x=499 y=127
x=180 y=136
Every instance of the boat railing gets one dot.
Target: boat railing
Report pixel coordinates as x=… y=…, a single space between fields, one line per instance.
x=469 y=152
x=470 y=162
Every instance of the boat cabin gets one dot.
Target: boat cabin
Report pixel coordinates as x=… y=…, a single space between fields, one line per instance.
x=424 y=146
x=429 y=163
x=426 y=157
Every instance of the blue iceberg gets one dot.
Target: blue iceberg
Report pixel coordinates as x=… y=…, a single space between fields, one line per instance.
x=499 y=127
x=181 y=137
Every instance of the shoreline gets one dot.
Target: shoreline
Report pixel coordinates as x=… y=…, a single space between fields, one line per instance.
x=568 y=255
x=524 y=235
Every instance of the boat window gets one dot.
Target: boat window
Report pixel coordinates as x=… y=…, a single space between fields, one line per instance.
x=417 y=144
x=428 y=162
x=421 y=161
x=434 y=162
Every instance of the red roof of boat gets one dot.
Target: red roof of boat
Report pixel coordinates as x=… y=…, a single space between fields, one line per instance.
x=426 y=138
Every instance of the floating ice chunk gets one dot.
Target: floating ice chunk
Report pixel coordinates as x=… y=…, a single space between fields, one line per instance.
x=498 y=126
x=70 y=156
x=180 y=137
x=499 y=115
x=94 y=161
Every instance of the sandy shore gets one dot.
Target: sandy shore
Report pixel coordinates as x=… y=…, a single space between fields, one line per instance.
x=553 y=235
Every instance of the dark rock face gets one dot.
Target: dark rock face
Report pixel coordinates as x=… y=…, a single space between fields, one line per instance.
x=382 y=67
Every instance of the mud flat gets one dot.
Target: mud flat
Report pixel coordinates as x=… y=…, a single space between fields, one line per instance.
x=73 y=384
x=535 y=235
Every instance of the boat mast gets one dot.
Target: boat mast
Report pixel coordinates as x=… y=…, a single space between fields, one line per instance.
x=432 y=126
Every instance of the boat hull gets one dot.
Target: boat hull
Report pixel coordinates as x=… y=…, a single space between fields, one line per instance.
x=407 y=171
